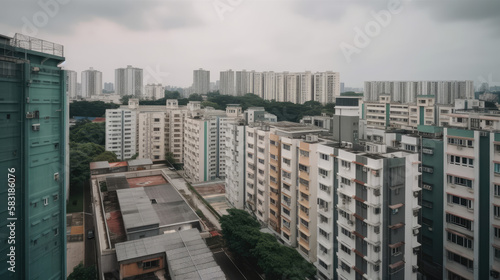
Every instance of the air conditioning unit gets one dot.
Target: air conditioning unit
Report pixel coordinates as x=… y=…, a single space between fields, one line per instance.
x=415 y=231
x=350 y=222
x=365 y=169
x=415 y=194
x=343 y=200
x=376 y=192
x=494 y=274
x=35 y=127
x=375 y=173
x=56 y=176
x=30 y=115
x=430 y=229
x=36 y=69
x=414 y=268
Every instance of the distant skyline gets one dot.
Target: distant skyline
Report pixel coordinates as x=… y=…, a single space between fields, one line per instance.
x=363 y=40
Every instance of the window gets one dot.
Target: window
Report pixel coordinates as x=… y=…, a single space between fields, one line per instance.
x=150 y=264
x=156 y=129
x=56 y=231
x=304 y=153
x=285 y=174
x=261 y=150
x=496 y=253
x=286 y=211
x=345 y=181
x=469 y=264
x=460 y=142
x=345 y=232
x=459 y=181
x=286 y=186
x=324 y=188
x=463 y=161
x=345 y=267
x=396 y=251
x=304 y=223
x=345 y=164
x=497 y=190
x=496 y=232
x=156 y=120
x=286 y=147
x=56 y=197
x=452 y=199
x=324 y=234
x=324 y=156
x=286 y=161
x=250 y=146
x=496 y=211
x=345 y=249
x=322 y=172
x=303 y=168
x=286 y=223
x=460 y=239
x=497 y=167
x=465 y=223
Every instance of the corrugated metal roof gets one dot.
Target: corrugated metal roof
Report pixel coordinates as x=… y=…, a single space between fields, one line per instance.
x=188 y=257
x=136 y=208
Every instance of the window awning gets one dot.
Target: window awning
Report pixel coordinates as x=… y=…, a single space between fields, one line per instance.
x=395 y=245
x=396 y=265
x=396 y=206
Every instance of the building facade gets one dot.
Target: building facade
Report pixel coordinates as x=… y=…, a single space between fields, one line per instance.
x=91 y=83
x=201 y=81
x=121 y=132
x=227 y=83
x=129 y=81
x=35 y=161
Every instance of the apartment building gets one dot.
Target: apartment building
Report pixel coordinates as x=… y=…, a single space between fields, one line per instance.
x=35 y=158
x=227 y=82
x=201 y=81
x=326 y=86
x=258 y=84
x=204 y=142
x=154 y=91
x=235 y=133
x=384 y=113
x=157 y=129
x=471 y=206
x=244 y=82
x=377 y=212
x=91 y=83
x=129 y=81
x=71 y=84
x=407 y=91
x=121 y=132
x=269 y=85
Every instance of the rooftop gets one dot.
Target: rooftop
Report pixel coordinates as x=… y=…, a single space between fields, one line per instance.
x=117 y=164
x=99 y=165
x=187 y=254
x=136 y=208
x=137 y=162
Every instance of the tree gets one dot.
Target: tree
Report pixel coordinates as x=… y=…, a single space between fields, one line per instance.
x=90 y=108
x=125 y=98
x=89 y=133
x=172 y=94
x=169 y=157
x=80 y=156
x=83 y=273
x=244 y=239
x=106 y=156
x=214 y=105
x=195 y=97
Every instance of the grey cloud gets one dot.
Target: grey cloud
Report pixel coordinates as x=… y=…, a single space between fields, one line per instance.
x=134 y=15
x=333 y=10
x=465 y=10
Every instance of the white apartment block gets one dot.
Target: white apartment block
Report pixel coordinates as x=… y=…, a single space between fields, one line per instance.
x=235 y=163
x=306 y=87
x=326 y=86
x=407 y=91
x=91 y=83
x=244 y=82
x=269 y=85
x=154 y=91
x=258 y=84
x=292 y=88
x=121 y=132
x=71 y=83
x=385 y=113
x=280 y=86
x=129 y=81
x=204 y=142
x=471 y=204
x=201 y=81
x=227 y=83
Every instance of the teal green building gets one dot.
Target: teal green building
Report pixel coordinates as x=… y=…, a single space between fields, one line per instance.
x=432 y=156
x=33 y=124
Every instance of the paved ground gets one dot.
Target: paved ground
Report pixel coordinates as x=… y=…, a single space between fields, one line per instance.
x=74 y=255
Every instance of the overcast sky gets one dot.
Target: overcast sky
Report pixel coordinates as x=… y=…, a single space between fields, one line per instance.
x=363 y=40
